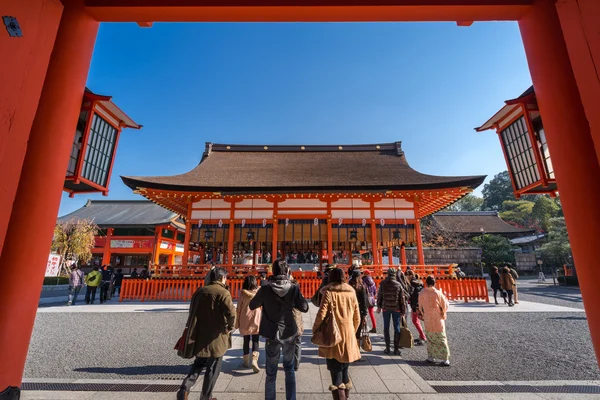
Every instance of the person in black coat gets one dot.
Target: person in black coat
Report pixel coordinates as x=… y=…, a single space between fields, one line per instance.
x=495 y=277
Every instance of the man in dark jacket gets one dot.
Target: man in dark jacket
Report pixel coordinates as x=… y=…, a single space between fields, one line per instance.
x=390 y=299
x=278 y=298
x=107 y=275
x=210 y=323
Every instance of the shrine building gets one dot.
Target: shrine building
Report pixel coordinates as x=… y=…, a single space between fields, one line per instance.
x=251 y=204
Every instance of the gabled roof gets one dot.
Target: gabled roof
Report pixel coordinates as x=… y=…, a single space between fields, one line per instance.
x=123 y=213
x=472 y=222
x=229 y=169
x=510 y=106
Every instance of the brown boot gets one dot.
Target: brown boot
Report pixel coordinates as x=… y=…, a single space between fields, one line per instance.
x=347 y=390
x=255 y=362
x=334 y=392
x=342 y=392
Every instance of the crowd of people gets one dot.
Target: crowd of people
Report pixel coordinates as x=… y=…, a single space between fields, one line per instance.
x=105 y=281
x=274 y=311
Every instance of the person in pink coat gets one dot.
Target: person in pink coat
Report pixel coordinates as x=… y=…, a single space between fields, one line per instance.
x=248 y=322
x=433 y=307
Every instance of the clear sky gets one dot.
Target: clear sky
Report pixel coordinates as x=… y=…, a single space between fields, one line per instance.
x=425 y=84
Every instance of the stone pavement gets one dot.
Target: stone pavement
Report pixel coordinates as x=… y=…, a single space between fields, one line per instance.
x=378 y=377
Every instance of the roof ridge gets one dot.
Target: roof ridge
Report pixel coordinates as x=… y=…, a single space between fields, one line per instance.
x=231 y=147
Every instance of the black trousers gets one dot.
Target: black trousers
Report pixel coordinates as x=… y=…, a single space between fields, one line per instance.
x=338 y=371
x=213 y=369
x=104 y=291
x=90 y=294
x=247 y=339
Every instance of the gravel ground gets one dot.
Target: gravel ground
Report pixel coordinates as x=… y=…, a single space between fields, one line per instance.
x=106 y=346
x=515 y=346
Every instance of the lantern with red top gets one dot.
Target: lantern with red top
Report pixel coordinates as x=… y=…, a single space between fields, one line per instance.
x=95 y=144
x=521 y=133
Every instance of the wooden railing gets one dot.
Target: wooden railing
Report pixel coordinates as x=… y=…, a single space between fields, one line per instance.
x=242 y=270
x=182 y=289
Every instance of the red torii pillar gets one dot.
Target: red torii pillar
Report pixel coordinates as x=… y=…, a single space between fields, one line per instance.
x=42 y=177
x=571 y=145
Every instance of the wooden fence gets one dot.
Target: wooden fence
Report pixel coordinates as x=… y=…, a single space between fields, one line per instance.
x=172 y=271
x=182 y=289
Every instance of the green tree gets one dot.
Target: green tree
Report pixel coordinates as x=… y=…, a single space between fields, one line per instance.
x=498 y=190
x=557 y=250
x=74 y=240
x=468 y=203
x=495 y=249
x=518 y=213
x=543 y=211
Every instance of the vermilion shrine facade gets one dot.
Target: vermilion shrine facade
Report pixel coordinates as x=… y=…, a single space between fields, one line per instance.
x=308 y=204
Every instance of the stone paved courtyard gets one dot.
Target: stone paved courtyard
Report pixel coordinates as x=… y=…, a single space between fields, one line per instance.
x=542 y=341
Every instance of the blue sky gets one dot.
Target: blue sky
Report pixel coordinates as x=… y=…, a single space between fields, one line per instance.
x=426 y=84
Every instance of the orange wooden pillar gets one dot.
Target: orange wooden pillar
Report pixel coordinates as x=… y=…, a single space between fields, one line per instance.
x=570 y=142
x=40 y=185
x=106 y=250
x=420 y=253
x=275 y=233
x=157 y=244
x=390 y=255
x=403 y=254
x=329 y=241
x=188 y=232
x=374 y=245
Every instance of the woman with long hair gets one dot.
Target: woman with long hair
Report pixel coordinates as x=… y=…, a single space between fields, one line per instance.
x=248 y=322
x=508 y=283
x=495 y=277
x=417 y=286
x=362 y=298
x=339 y=298
x=371 y=289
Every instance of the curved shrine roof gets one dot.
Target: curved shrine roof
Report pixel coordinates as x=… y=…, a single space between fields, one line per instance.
x=232 y=169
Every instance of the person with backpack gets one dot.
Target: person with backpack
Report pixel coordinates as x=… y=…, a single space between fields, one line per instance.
x=92 y=280
x=278 y=298
x=390 y=300
x=371 y=288
x=417 y=286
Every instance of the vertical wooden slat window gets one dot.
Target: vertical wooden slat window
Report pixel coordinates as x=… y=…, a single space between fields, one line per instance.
x=519 y=151
x=99 y=151
x=77 y=143
x=543 y=147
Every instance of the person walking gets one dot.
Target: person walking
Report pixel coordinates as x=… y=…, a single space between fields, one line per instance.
x=210 y=322
x=417 y=286
x=390 y=300
x=339 y=298
x=117 y=282
x=508 y=283
x=495 y=277
x=363 y=302
x=76 y=278
x=515 y=275
x=433 y=307
x=134 y=273
x=248 y=322
x=278 y=298
x=92 y=280
x=371 y=288
x=107 y=275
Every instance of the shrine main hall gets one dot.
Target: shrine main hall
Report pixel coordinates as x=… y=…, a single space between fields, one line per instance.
x=250 y=204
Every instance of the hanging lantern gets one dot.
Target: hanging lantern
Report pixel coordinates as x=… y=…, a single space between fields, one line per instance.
x=364 y=222
x=340 y=221
x=220 y=223
x=353 y=235
x=95 y=145
x=396 y=235
x=250 y=236
x=208 y=234
x=264 y=224
x=523 y=141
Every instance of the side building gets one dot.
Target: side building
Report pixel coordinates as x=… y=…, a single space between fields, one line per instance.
x=133 y=233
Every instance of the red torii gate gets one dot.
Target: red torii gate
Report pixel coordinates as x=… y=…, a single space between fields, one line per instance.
x=42 y=88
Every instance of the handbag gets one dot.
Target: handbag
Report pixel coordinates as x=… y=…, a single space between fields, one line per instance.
x=327 y=334
x=406 y=337
x=316 y=299
x=181 y=347
x=365 y=340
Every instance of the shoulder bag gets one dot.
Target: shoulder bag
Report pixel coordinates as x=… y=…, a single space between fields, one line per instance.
x=406 y=337
x=365 y=340
x=327 y=334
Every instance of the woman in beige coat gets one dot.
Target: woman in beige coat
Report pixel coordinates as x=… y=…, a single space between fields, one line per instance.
x=340 y=298
x=248 y=322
